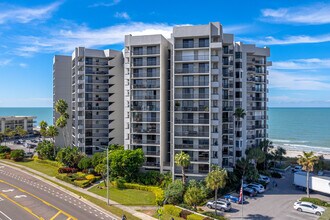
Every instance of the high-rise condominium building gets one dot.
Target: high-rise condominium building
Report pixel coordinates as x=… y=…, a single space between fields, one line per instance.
x=12 y=122
x=206 y=77
x=147 y=98
x=96 y=89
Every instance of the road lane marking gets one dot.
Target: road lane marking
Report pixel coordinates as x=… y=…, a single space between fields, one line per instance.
x=7 y=190
x=5 y=215
x=59 y=212
x=47 y=203
x=20 y=196
x=23 y=207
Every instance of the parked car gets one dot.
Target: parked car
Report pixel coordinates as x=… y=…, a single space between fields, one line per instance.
x=297 y=168
x=232 y=198
x=263 y=178
x=308 y=207
x=258 y=187
x=220 y=204
x=28 y=154
x=249 y=192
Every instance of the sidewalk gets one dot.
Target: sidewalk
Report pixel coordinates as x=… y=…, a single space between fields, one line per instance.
x=112 y=203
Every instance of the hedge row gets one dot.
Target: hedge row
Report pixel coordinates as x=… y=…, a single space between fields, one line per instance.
x=158 y=192
x=182 y=213
x=78 y=181
x=315 y=201
x=49 y=162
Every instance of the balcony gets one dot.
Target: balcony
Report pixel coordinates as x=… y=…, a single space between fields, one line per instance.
x=97 y=108
x=151 y=164
x=97 y=72
x=196 y=83
x=147 y=130
x=256 y=117
x=145 y=52
x=256 y=108
x=200 y=159
x=140 y=141
x=227 y=62
x=192 y=134
x=227 y=51
x=192 y=147
x=227 y=85
x=228 y=142
x=145 y=97
x=145 y=108
x=151 y=153
x=227 y=97
x=192 y=121
x=189 y=109
x=227 y=120
x=192 y=70
x=192 y=58
x=227 y=131
x=192 y=96
x=150 y=119
x=145 y=74
x=227 y=73
x=228 y=108
x=190 y=45
x=146 y=85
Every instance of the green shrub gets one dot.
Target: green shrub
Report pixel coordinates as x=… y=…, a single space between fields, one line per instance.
x=172 y=210
x=195 y=217
x=276 y=175
x=315 y=201
x=49 y=162
x=17 y=155
x=4 y=149
x=82 y=183
x=119 y=183
x=158 y=192
x=65 y=178
x=185 y=213
x=3 y=155
x=213 y=216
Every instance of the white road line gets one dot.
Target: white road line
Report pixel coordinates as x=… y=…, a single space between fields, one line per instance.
x=20 y=196
x=7 y=190
x=5 y=215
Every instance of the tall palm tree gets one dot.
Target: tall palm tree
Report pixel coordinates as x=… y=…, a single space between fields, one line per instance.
x=43 y=128
x=61 y=108
x=266 y=146
x=2 y=137
x=256 y=154
x=239 y=114
x=307 y=161
x=216 y=179
x=280 y=151
x=52 y=132
x=20 y=131
x=183 y=160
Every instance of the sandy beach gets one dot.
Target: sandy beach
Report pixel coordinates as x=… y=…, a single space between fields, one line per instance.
x=295 y=153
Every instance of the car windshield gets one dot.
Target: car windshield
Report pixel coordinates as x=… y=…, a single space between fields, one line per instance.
x=314 y=207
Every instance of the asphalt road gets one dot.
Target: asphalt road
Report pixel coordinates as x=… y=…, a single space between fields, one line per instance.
x=25 y=197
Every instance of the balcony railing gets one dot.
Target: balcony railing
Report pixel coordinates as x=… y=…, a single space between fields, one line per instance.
x=192 y=134
x=256 y=108
x=192 y=121
x=192 y=57
x=227 y=108
x=192 y=70
x=191 y=147
x=97 y=72
x=144 y=86
x=141 y=130
x=203 y=108
x=203 y=83
x=147 y=97
x=145 y=74
x=145 y=108
x=192 y=96
x=191 y=45
x=145 y=52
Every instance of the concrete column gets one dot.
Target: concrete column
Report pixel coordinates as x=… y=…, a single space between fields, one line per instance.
x=2 y=125
x=25 y=124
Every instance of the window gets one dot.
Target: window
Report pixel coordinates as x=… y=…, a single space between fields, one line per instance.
x=215 y=154
x=203 y=67
x=238 y=65
x=188 y=43
x=215 y=103
x=203 y=42
x=215 y=90
x=151 y=61
x=238 y=55
x=137 y=62
x=137 y=51
x=203 y=80
x=152 y=50
x=214 y=116
x=215 y=78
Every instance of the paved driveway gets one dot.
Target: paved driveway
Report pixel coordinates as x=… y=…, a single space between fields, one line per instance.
x=275 y=203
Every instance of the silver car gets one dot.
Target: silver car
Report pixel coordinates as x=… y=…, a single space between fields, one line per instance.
x=308 y=207
x=220 y=204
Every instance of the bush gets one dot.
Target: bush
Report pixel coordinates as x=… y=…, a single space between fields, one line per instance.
x=17 y=155
x=276 y=175
x=4 y=149
x=174 y=192
x=67 y=170
x=85 y=163
x=213 y=216
x=172 y=210
x=195 y=217
x=90 y=177
x=158 y=192
x=65 y=178
x=119 y=183
x=49 y=162
x=315 y=201
x=3 y=155
x=185 y=213
x=82 y=183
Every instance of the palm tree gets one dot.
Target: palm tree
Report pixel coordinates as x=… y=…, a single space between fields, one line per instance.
x=307 y=161
x=2 y=137
x=216 y=179
x=183 y=160
x=266 y=146
x=239 y=114
x=20 y=131
x=52 y=132
x=9 y=132
x=280 y=151
x=61 y=107
x=256 y=155
x=43 y=128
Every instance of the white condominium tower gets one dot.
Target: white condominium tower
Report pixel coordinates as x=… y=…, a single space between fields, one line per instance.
x=96 y=88
x=205 y=77
x=147 y=112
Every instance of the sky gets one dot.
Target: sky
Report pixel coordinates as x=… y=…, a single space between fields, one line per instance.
x=32 y=32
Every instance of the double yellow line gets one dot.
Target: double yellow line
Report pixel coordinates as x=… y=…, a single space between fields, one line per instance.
x=43 y=201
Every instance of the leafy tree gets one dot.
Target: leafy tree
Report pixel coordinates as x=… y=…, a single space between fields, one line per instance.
x=126 y=163
x=9 y=132
x=216 y=179
x=246 y=170
x=4 y=149
x=256 y=155
x=85 y=163
x=20 y=131
x=45 y=150
x=183 y=160
x=101 y=169
x=307 y=161
x=116 y=147
x=61 y=107
x=266 y=146
x=98 y=158
x=52 y=132
x=2 y=137
x=174 y=192
x=320 y=165
x=280 y=151
x=17 y=155
x=43 y=128
x=70 y=157
x=194 y=196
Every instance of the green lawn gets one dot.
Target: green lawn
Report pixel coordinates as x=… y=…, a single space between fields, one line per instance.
x=41 y=167
x=326 y=215
x=167 y=217
x=130 y=197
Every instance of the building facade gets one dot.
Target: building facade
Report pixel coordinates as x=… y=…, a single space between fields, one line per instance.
x=96 y=105
x=62 y=90
x=210 y=78
x=12 y=122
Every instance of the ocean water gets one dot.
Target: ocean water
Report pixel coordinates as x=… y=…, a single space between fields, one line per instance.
x=45 y=114
x=292 y=128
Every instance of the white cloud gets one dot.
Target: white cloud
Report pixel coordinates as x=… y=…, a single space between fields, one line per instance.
x=104 y=4
x=298 y=39
x=5 y=62
x=302 y=64
x=65 y=40
x=23 y=65
x=313 y=14
x=16 y=14
x=237 y=29
x=123 y=15
x=298 y=81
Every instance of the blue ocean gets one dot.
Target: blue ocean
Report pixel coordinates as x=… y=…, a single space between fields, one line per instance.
x=292 y=128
